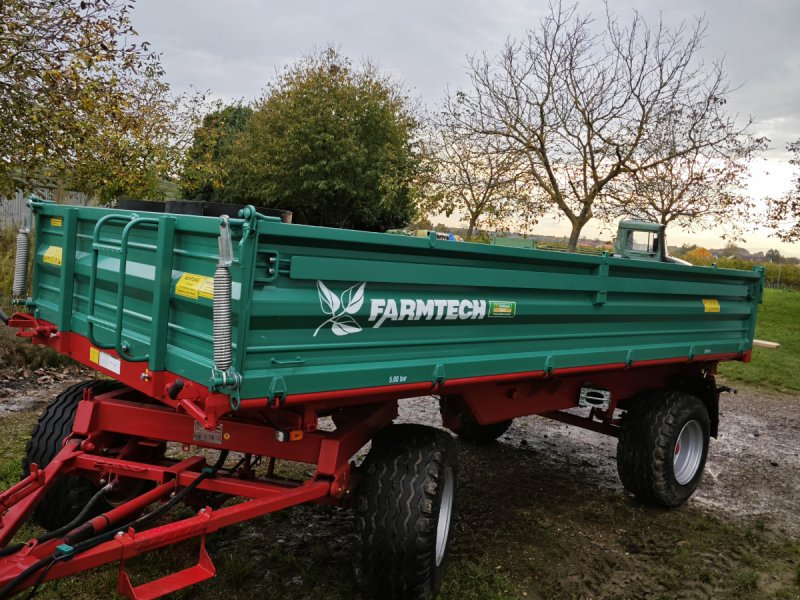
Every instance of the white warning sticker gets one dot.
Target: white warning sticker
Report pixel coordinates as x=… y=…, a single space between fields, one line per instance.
x=105 y=360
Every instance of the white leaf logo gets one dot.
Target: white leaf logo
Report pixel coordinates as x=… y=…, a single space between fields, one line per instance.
x=328 y=301
x=345 y=325
x=350 y=302
x=353 y=298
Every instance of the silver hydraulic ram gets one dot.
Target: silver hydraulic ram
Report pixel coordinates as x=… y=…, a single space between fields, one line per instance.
x=223 y=351
x=21 y=260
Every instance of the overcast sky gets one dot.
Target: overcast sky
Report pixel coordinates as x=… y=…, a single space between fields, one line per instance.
x=234 y=48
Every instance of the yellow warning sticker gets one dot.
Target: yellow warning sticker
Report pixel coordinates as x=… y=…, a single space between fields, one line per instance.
x=53 y=255
x=94 y=355
x=710 y=305
x=56 y=222
x=195 y=286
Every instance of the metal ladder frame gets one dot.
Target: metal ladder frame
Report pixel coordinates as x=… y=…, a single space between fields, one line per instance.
x=164 y=246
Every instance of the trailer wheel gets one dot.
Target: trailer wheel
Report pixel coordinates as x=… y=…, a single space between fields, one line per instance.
x=404 y=511
x=662 y=447
x=68 y=495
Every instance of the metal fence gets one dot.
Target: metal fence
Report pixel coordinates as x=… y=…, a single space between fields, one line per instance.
x=14 y=208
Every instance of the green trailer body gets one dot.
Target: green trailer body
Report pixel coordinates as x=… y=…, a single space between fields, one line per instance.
x=316 y=310
x=238 y=334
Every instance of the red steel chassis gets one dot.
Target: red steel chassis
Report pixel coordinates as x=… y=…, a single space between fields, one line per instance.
x=147 y=414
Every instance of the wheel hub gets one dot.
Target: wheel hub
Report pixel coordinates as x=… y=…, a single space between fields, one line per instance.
x=688 y=452
x=445 y=515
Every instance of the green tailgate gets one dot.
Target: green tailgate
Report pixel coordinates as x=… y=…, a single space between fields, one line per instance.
x=318 y=309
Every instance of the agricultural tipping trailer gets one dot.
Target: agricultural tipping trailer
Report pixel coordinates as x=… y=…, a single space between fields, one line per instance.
x=238 y=335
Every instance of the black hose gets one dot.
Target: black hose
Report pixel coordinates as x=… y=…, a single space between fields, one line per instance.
x=3 y=316
x=80 y=518
x=151 y=516
x=40 y=579
x=9 y=587
x=109 y=535
x=8 y=550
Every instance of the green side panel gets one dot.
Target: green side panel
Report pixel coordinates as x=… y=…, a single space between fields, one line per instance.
x=328 y=309
x=513 y=242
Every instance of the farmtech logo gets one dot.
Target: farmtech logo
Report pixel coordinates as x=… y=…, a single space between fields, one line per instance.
x=342 y=309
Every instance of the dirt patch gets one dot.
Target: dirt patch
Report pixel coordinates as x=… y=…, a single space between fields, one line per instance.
x=753 y=467
x=30 y=390
x=546 y=507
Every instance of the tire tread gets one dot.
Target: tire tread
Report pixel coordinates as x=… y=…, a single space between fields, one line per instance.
x=68 y=495
x=646 y=444
x=397 y=515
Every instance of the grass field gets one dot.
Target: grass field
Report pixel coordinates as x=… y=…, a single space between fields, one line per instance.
x=778 y=321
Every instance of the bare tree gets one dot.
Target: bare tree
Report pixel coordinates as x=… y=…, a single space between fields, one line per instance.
x=581 y=107
x=469 y=177
x=784 y=213
x=703 y=188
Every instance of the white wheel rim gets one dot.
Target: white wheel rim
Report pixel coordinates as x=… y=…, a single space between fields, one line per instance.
x=445 y=514
x=688 y=452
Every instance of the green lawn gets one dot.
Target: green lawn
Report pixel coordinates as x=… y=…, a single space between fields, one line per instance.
x=778 y=321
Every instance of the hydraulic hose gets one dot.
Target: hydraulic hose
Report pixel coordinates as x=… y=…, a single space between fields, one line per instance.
x=85 y=511
x=105 y=536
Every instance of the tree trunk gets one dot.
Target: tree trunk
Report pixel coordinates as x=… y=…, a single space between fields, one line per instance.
x=574 y=236
x=471 y=229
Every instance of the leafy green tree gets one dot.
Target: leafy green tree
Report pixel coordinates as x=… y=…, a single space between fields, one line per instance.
x=133 y=145
x=331 y=142
x=64 y=68
x=203 y=172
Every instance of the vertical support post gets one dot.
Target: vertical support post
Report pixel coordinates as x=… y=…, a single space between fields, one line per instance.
x=69 y=245
x=248 y=251
x=602 y=273
x=159 y=327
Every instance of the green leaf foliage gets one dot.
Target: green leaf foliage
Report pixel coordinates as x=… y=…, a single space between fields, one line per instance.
x=203 y=171
x=83 y=102
x=330 y=142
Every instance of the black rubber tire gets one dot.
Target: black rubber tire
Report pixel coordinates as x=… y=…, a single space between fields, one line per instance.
x=397 y=512
x=647 y=445
x=68 y=495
